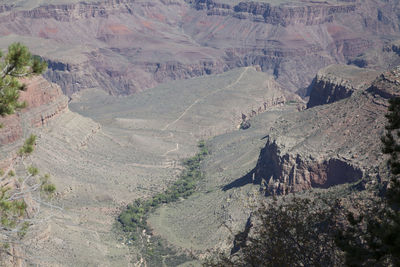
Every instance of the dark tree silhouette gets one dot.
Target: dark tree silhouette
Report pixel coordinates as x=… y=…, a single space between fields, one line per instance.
x=372 y=237
x=297 y=232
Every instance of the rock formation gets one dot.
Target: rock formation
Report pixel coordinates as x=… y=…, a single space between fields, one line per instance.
x=284 y=15
x=126 y=46
x=337 y=82
x=329 y=144
x=44 y=101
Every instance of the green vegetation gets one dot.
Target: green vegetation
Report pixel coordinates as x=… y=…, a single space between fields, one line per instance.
x=46 y=186
x=18 y=63
x=293 y=232
x=157 y=252
x=28 y=146
x=372 y=237
x=13 y=206
x=134 y=217
x=33 y=170
x=302 y=232
x=10 y=210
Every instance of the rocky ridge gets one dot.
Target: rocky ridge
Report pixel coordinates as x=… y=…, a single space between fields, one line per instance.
x=127 y=46
x=44 y=101
x=337 y=82
x=327 y=145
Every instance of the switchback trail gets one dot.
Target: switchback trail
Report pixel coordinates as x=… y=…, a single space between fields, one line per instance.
x=203 y=97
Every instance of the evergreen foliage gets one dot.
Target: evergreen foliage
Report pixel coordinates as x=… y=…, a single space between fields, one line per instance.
x=10 y=211
x=28 y=146
x=373 y=237
x=297 y=232
x=18 y=63
x=14 y=221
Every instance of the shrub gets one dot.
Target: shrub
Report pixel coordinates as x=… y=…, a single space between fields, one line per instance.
x=135 y=214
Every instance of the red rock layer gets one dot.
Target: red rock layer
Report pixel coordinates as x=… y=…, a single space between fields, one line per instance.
x=45 y=100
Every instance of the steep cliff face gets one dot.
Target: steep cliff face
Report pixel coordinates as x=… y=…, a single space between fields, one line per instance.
x=337 y=82
x=69 y=12
x=45 y=101
x=286 y=38
x=327 y=145
x=126 y=46
x=311 y=14
x=283 y=174
x=386 y=58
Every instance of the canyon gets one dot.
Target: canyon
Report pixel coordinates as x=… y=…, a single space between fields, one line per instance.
x=132 y=86
x=127 y=46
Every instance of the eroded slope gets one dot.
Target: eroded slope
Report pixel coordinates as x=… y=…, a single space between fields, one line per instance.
x=283 y=151
x=127 y=148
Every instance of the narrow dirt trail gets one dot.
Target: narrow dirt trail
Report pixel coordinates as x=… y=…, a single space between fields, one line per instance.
x=172 y=150
x=203 y=97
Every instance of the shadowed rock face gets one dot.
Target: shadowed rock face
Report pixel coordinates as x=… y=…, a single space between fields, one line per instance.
x=320 y=147
x=283 y=174
x=125 y=46
x=328 y=144
x=337 y=82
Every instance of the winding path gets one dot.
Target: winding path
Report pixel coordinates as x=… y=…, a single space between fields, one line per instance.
x=203 y=97
x=172 y=150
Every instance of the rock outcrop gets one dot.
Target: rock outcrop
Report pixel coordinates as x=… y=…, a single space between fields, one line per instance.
x=283 y=174
x=337 y=82
x=387 y=85
x=284 y=15
x=327 y=145
x=44 y=101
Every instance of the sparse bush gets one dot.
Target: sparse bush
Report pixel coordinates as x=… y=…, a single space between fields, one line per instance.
x=46 y=186
x=33 y=170
x=135 y=214
x=49 y=188
x=28 y=146
x=10 y=210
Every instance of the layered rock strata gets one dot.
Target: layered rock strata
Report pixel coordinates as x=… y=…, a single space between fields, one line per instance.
x=284 y=15
x=327 y=145
x=337 y=82
x=126 y=46
x=44 y=101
